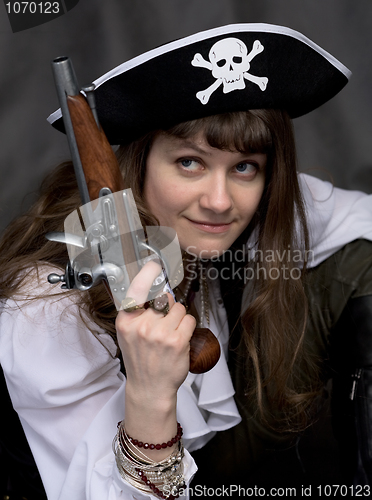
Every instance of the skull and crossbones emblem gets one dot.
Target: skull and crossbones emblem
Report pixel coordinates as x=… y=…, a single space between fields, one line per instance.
x=229 y=62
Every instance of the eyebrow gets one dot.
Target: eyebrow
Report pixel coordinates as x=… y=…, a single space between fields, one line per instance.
x=184 y=143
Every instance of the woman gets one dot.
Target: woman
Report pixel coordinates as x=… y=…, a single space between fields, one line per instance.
x=219 y=175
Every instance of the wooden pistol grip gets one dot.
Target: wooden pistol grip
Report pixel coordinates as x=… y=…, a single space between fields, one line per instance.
x=205 y=350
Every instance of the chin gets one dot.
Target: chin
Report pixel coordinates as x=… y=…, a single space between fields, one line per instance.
x=205 y=252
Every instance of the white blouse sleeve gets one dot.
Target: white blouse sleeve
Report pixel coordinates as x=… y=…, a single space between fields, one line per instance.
x=335 y=217
x=67 y=388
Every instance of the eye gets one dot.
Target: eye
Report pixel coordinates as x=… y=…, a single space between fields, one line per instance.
x=246 y=168
x=237 y=59
x=189 y=164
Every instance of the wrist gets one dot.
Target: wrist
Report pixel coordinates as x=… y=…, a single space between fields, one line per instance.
x=144 y=400
x=149 y=418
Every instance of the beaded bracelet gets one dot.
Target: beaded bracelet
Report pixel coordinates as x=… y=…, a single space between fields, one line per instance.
x=164 y=479
x=158 y=446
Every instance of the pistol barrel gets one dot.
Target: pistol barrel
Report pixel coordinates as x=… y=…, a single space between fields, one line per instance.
x=67 y=85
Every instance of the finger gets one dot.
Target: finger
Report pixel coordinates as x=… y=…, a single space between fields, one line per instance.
x=138 y=312
x=187 y=326
x=175 y=316
x=142 y=282
x=161 y=303
x=170 y=300
x=126 y=316
x=164 y=298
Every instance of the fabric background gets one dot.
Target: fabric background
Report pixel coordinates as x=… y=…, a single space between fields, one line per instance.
x=98 y=35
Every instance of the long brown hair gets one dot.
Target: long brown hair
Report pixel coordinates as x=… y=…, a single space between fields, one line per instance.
x=274 y=320
x=24 y=247
x=282 y=377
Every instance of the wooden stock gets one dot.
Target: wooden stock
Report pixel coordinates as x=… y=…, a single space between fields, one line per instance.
x=101 y=169
x=99 y=162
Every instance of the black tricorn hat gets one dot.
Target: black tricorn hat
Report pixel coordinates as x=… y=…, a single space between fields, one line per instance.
x=232 y=68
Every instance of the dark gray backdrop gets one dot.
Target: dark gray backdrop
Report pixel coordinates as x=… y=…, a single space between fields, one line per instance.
x=100 y=34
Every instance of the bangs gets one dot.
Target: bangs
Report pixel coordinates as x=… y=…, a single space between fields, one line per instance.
x=244 y=132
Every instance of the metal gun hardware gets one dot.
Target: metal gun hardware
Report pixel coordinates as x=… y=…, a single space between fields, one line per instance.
x=96 y=253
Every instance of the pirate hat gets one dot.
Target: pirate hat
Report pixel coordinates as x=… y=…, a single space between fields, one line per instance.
x=231 y=68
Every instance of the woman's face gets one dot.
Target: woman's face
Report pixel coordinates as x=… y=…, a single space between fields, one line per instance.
x=206 y=194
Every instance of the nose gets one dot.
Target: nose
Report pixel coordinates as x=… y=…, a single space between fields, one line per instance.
x=216 y=195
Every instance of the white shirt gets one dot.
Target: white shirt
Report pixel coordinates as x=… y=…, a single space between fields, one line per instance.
x=66 y=384
x=68 y=390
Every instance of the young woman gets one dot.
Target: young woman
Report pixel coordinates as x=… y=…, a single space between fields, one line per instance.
x=207 y=148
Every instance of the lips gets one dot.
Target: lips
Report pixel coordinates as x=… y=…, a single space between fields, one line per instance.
x=211 y=227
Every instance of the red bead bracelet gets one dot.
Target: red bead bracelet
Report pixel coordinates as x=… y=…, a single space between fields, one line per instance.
x=154 y=488
x=158 y=446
